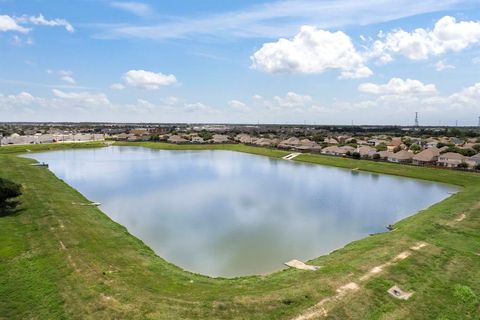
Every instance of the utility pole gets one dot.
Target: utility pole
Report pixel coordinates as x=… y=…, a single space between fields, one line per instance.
x=479 y=121
x=416 y=120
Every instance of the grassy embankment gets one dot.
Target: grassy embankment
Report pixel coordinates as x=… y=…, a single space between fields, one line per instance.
x=59 y=260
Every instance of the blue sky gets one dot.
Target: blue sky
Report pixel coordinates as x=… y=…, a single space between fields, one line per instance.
x=323 y=62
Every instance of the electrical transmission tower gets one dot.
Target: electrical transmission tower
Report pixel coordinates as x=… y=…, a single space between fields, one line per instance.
x=416 y=120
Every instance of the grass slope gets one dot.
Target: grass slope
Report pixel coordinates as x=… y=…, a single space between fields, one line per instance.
x=59 y=260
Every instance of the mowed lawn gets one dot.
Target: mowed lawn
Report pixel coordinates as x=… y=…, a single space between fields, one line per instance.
x=61 y=260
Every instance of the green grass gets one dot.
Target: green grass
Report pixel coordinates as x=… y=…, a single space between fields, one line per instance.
x=105 y=273
x=17 y=149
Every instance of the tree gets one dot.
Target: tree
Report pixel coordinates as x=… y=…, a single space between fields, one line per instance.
x=477 y=167
x=415 y=148
x=397 y=148
x=381 y=147
x=376 y=156
x=8 y=190
x=205 y=135
x=356 y=155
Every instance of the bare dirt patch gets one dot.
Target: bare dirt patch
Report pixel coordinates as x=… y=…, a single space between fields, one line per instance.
x=320 y=309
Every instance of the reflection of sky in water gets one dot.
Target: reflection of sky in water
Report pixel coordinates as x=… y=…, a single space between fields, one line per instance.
x=223 y=213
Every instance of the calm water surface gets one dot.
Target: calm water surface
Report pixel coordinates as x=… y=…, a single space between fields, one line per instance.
x=223 y=213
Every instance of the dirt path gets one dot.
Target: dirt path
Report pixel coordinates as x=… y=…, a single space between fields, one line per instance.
x=321 y=309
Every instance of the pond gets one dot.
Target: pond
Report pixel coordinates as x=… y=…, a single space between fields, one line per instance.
x=223 y=213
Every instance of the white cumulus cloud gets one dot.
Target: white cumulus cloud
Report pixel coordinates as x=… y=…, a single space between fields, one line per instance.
x=81 y=99
x=448 y=35
x=147 y=79
x=312 y=50
x=117 y=86
x=8 y=23
x=293 y=100
x=397 y=86
x=237 y=105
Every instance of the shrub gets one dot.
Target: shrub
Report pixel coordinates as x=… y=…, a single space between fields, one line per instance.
x=381 y=147
x=466 y=295
x=462 y=165
x=477 y=167
x=415 y=148
x=356 y=155
x=376 y=156
x=8 y=190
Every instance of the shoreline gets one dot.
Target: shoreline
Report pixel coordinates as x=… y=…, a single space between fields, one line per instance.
x=363 y=253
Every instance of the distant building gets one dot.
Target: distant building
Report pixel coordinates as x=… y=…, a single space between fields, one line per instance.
x=177 y=139
x=401 y=156
x=450 y=159
x=427 y=156
x=220 y=138
x=366 y=151
x=474 y=160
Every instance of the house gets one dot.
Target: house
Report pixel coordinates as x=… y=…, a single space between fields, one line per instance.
x=244 y=138
x=401 y=156
x=290 y=143
x=336 y=150
x=220 y=138
x=366 y=151
x=264 y=142
x=177 y=139
x=457 y=141
x=384 y=155
x=330 y=141
x=307 y=145
x=443 y=149
x=197 y=139
x=474 y=161
x=427 y=156
x=450 y=159
x=396 y=142
x=343 y=138
x=431 y=143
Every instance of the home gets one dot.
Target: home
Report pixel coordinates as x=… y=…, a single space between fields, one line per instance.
x=307 y=145
x=401 y=156
x=474 y=161
x=392 y=145
x=220 y=138
x=450 y=159
x=264 y=142
x=176 y=139
x=197 y=139
x=335 y=150
x=343 y=138
x=384 y=155
x=457 y=141
x=330 y=141
x=427 y=156
x=290 y=143
x=244 y=138
x=366 y=151
x=431 y=143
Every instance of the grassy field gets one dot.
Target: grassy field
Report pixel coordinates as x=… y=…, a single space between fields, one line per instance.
x=64 y=261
